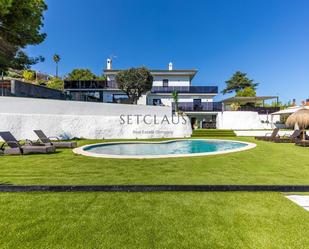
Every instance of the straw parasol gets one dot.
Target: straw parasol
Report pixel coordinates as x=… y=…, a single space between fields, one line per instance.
x=300 y=118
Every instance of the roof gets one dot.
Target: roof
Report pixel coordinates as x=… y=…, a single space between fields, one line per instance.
x=248 y=99
x=189 y=72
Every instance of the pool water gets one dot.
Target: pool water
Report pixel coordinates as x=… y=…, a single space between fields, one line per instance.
x=175 y=147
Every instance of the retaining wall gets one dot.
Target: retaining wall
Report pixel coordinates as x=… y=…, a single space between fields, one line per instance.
x=89 y=120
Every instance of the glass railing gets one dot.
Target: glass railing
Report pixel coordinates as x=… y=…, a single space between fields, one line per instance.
x=218 y=107
x=191 y=107
x=84 y=84
x=259 y=109
x=185 y=89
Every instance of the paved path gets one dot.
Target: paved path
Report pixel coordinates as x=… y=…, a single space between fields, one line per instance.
x=301 y=200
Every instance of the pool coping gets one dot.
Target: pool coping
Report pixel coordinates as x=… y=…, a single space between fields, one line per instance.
x=81 y=151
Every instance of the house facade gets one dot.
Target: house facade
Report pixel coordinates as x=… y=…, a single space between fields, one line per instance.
x=196 y=101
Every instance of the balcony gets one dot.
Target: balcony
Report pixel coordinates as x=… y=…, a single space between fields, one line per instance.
x=85 y=84
x=185 y=89
x=203 y=107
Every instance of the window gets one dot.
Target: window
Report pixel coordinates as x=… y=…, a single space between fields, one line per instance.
x=197 y=104
x=156 y=102
x=118 y=98
x=165 y=82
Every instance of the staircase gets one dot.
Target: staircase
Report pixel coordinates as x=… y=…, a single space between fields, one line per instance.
x=213 y=133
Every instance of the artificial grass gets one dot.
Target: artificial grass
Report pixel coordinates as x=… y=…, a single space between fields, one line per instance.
x=151 y=220
x=268 y=163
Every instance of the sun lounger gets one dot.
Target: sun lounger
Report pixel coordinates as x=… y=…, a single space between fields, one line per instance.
x=269 y=136
x=303 y=143
x=58 y=144
x=15 y=148
x=288 y=139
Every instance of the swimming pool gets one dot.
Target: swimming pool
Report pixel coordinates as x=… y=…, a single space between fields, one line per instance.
x=169 y=148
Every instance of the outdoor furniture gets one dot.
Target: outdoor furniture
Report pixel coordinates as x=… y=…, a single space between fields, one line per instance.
x=269 y=136
x=288 y=139
x=58 y=144
x=303 y=143
x=15 y=148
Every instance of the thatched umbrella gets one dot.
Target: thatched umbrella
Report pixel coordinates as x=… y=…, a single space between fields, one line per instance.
x=301 y=118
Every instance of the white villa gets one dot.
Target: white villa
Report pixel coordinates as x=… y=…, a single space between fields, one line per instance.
x=197 y=102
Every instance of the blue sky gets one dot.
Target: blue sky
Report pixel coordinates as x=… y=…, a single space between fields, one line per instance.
x=267 y=39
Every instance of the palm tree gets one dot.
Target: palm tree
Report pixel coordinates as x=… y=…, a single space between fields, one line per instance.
x=56 y=59
x=175 y=97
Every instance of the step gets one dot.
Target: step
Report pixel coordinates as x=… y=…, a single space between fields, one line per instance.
x=213 y=133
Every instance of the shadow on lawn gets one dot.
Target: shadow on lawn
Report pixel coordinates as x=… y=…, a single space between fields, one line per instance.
x=5 y=183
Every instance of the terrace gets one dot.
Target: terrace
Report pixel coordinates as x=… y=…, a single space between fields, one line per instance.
x=256 y=104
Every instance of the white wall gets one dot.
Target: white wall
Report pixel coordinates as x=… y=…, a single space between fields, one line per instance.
x=85 y=119
x=269 y=117
x=256 y=133
x=172 y=80
x=239 y=120
x=142 y=100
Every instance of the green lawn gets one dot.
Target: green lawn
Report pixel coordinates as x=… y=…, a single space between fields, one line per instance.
x=268 y=163
x=155 y=220
x=151 y=220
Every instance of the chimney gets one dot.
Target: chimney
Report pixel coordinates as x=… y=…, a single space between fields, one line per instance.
x=170 y=66
x=109 y=64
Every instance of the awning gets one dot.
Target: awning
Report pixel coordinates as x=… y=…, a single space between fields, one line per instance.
x=244 y=100
x=290 y=110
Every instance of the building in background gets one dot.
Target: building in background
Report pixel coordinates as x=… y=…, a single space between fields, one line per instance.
x=19 y=88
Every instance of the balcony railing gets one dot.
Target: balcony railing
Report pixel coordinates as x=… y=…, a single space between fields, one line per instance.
x=217 y=107
x=260 y=109
x=185 y=89
x=203 y=107
x=85 y=84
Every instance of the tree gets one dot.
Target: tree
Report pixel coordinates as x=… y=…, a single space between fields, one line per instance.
x=29 y=75
x=134 y=82
x=23 y=61
x=175 y=98
x=55 y=83
x=246 y=92
x=239 y=81
x=56 y=59
x=20 y=25
x=81 y=74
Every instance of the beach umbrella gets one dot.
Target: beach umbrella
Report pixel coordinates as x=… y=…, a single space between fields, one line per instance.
x=300 y=118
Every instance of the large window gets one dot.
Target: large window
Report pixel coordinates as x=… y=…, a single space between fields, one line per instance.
x=165 y=82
